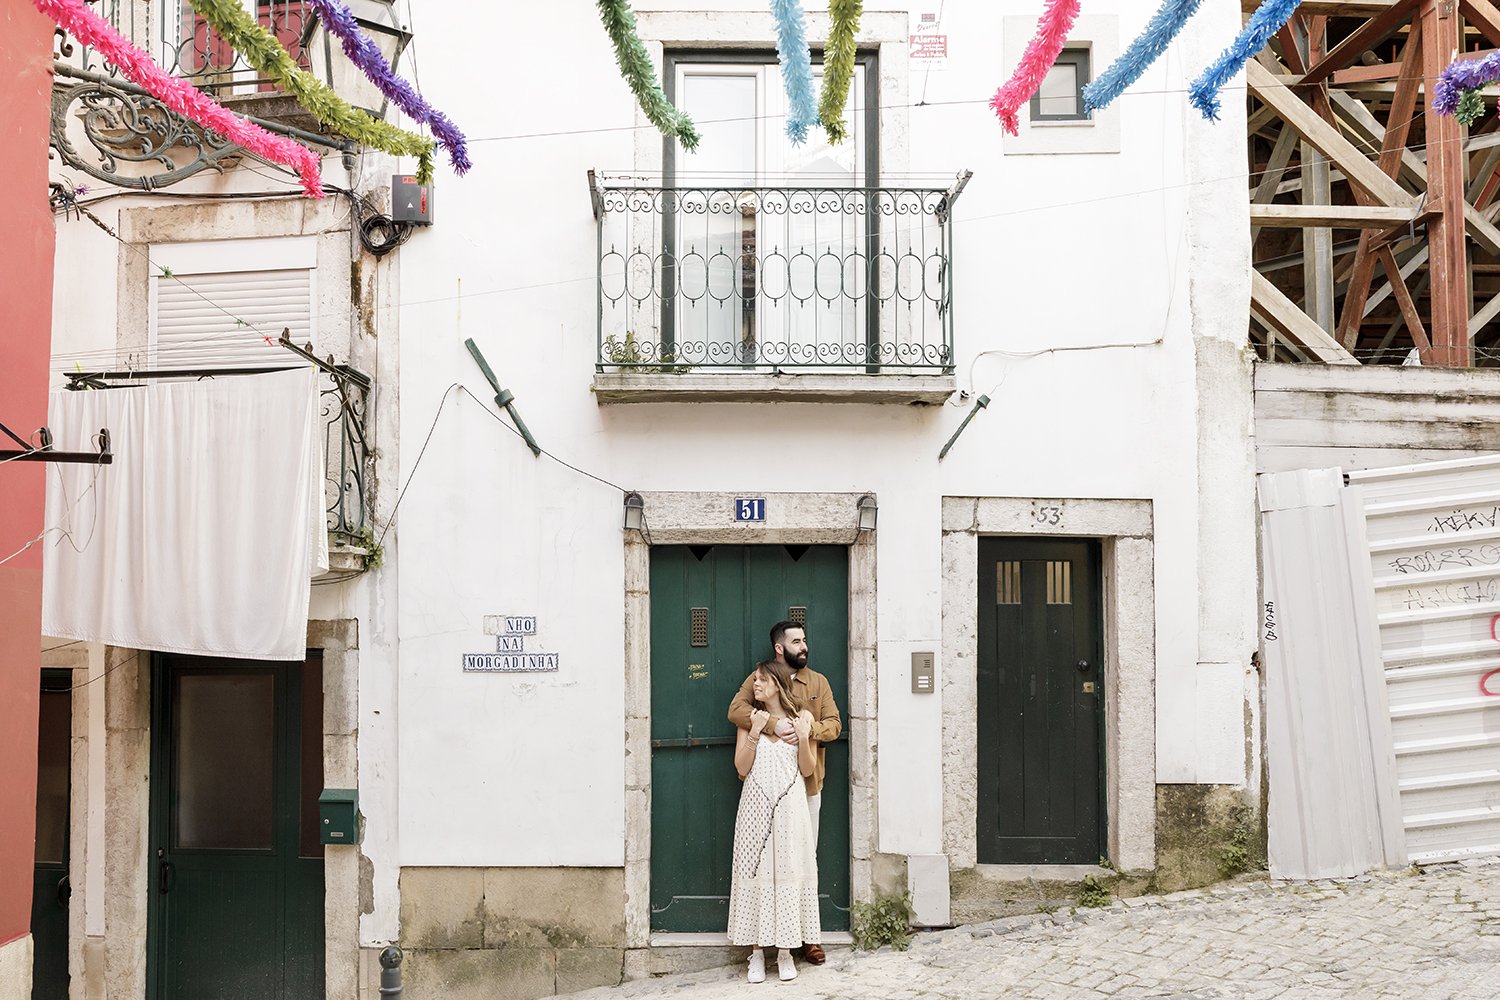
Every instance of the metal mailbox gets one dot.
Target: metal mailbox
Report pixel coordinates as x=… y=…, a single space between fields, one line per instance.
x=338 y=816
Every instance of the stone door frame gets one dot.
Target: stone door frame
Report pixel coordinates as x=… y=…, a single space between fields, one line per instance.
x=1124 y=529
x=126 y=802
x=707 y=519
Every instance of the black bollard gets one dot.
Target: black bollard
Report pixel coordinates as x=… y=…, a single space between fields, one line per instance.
x=390 y=972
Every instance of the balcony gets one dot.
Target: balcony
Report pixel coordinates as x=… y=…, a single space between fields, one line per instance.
x=115 y=132
x=804 y=293
x=184 y=45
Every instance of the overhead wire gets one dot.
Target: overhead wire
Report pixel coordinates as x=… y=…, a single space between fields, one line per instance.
x=355 y=207
x=432 y=428
x=75 y=204
x=108 y=670
x=66 y=517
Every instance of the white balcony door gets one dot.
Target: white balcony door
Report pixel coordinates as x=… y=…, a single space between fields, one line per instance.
x=767 y=236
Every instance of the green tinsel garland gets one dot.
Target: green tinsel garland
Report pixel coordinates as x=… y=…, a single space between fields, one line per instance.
x=1470 y=108
x=636 y=68
x=263 y=52
x=838 y=66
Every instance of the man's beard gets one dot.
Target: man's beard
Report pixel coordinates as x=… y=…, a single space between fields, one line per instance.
x=795 y=660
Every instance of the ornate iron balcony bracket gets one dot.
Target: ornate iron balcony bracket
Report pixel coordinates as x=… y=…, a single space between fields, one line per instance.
x=125 y=125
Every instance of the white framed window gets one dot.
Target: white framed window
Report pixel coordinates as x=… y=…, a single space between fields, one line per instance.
x=215 y=304
x=1053 y=122
x=1060 y=97
x=764 y=240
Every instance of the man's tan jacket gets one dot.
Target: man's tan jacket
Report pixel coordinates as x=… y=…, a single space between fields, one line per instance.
x=816 y=696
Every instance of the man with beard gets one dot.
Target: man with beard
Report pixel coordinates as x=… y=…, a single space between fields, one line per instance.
x=789 y=642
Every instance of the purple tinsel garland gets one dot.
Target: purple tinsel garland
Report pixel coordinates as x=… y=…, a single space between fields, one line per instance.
x=340 y=22
x=1462 y=75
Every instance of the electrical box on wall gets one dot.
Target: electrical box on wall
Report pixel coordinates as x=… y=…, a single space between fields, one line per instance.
x=338 y=816
x=922 y=673
x=411 y=202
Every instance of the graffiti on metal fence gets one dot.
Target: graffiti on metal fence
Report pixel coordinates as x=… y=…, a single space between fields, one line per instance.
x=1485 y=591
x=1431 y=561
x=1465 y=520
x=1489 y=684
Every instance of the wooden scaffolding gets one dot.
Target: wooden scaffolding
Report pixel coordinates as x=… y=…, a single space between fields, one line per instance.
x=1372 y=218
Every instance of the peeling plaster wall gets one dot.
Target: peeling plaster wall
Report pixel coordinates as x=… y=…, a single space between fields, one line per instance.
x=15 y=968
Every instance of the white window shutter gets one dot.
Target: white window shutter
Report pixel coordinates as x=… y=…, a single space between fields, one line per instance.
x=224 y=304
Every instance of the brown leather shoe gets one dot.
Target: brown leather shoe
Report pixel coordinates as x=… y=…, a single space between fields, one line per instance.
x=814 y=953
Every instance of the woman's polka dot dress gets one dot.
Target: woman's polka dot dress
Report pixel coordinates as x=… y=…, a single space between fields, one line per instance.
x=773 y=896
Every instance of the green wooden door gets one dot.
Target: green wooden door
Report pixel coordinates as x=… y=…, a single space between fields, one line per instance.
x=236 y=866
x=1039 y=702
x=50 y=889
x=712 y=608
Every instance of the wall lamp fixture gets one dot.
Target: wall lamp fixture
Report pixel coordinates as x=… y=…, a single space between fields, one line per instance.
x=635 y=512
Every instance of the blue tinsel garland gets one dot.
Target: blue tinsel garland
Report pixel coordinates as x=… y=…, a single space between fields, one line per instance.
x=1145 y=50
x=1265 y=22
x=796 y=68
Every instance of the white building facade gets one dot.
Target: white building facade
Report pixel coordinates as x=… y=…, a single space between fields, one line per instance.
x=755 y=351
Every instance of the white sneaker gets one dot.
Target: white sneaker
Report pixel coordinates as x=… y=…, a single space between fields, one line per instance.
x=757 y=972
x=785 y=966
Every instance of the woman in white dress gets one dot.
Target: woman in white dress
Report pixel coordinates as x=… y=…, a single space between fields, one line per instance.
x=773 y=895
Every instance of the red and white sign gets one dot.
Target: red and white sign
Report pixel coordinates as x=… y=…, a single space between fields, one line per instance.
x=927 y=43
x=928 y=47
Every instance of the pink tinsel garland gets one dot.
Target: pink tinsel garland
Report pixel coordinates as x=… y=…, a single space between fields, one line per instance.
x=179 y=94
x=1042 y=51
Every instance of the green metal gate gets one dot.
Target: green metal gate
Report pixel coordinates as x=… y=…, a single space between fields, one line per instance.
x=712 y=608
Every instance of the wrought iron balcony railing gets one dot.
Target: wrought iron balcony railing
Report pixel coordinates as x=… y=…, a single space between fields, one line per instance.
x=344 y=399
x=761 y=279
x=184 y=45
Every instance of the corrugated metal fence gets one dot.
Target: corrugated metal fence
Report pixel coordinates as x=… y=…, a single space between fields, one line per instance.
x=1434 y=540
x=1382 y=645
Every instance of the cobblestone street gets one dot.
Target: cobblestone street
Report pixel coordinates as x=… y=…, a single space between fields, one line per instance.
x=1432 y=935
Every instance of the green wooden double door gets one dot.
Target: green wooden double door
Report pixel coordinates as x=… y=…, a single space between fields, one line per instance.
x=236 y=865
x=712 y=608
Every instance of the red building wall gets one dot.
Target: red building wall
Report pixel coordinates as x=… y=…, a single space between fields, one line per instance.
x=26 y=245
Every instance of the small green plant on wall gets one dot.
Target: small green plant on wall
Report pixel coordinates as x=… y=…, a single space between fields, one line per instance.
x=1093 y=893
x=374 y=551
x=628 y=353
x=887 y=921
x=1237 y=856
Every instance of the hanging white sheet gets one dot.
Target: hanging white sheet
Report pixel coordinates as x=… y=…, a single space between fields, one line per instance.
x=203 y=536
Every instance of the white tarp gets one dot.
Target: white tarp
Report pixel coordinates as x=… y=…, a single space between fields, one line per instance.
x=1333 y=808
x=203 y=535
